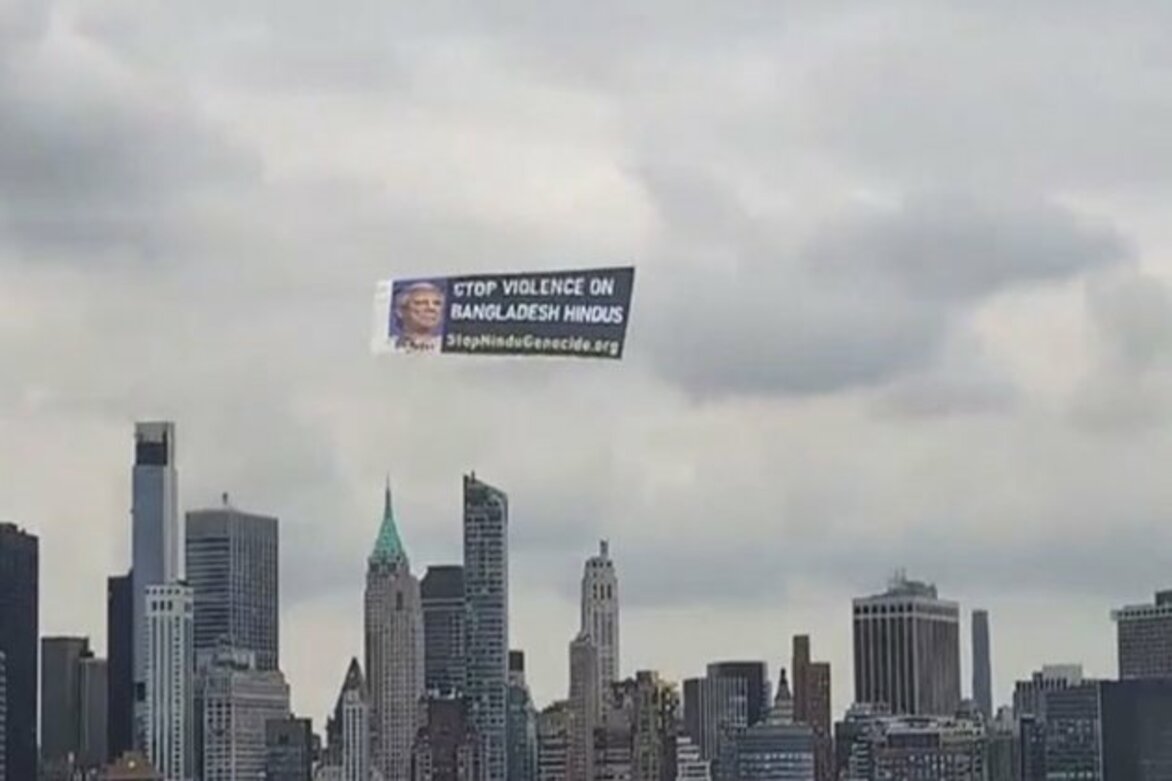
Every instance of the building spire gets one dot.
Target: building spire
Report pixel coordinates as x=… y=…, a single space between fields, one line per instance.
x=388 y=547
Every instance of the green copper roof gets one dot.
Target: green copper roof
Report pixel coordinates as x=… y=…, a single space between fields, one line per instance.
x=388 y=547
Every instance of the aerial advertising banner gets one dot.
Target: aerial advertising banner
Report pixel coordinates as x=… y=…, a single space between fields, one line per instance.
x=579 y=313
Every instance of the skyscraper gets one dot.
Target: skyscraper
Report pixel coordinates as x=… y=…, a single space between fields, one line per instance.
x=757 y=688
x=654 y=728
x=714 y=709
x=690 y=766
x=812 y=693
x=943 y=749
x=235 y=702
x=486 y=592
x=394 y=650
x=585 y=705
x=443 y=630
x=522 y=729
x=93 y=685
x=353 y=712
x=774 y=751
x=3 y=716
x=120 y=645
x=1145 y=639
x=982 y=665
x=61 y=699
x=232 y=564
x=600 y=612
x=19 y=583
x=289 y=749
x=907 y=650
x=446 y=747
x=156 y=543
x=553 y=742
x=169 y=715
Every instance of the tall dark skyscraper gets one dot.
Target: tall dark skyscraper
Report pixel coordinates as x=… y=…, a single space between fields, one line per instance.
x=3 y=716
x=907 y=650
x=486 y=592
x=756 y=678
x=19 y=583
x=120 y=643
x=1145 y=639
x=715 y=709
x=232 y=565
x=93 y=703
x=522 y=723
x=442 y=589
x=982 y=665
x=812 y=705
x=61 y=697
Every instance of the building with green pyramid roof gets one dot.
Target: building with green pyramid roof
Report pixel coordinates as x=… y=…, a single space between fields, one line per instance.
x=388 y=546
x=393 y=630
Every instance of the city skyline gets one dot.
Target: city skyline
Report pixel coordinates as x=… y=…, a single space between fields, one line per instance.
x=842 y=681
x=395 y=631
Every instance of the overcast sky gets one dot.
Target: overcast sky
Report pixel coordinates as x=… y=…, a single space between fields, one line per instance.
x=902 y=301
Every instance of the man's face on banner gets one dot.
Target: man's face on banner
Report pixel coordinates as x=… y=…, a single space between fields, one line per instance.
x=422 y=309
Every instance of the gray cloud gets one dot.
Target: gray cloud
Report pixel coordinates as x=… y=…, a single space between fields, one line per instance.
x=831 y=213
x=869 y=297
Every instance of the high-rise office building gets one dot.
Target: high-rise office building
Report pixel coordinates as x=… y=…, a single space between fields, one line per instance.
x=1003 y=748
x=288 y=749
x=19 y=583
x=1029 y=696
x=1145 y=639
x=234 y=703
x=61 y=700
x=637 y=729
x=758 y=691
x=774 y=751
x=553 y=742
x=156 y=545
x=353 y=712
x=232 y=564
x=522 y=729
x=939 y=748
x=3 y=716
x=169 y=701
x=442 y=590
x=446 y=747
x=714 y=709
x=585 y=706
x=812 y=692
x=93 y=705
x=394 y=650
x=486 y=593
x=600 y=612
x=1106 y=730
x=655 y=726
x=907 y=650
x=120 y=648
x=614 y=750
x=690 y=766
x=982 y=665
x=352 y=694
